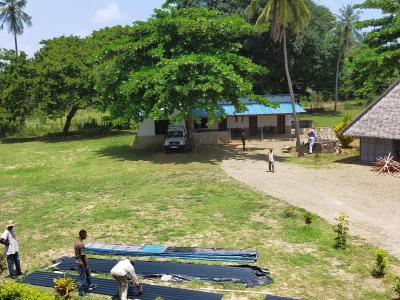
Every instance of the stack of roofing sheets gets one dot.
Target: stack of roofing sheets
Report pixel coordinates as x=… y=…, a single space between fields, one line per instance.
x=176 y=252
x=109 y=287
x=248 y=275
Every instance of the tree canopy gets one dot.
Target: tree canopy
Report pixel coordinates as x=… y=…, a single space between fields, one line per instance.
x=176 y=62
x=225 y=6
x=15 y=89
x=372 y=67
x=64 y=79
x=385 y=34
x=313 y=53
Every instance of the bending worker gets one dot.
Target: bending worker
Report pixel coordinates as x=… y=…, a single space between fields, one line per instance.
x=124 y=272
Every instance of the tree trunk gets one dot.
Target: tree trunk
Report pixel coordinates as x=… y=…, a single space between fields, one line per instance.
x=337 y=82
x=300 y=151
x=189 y=128
x=70 y=115
x=16 y=44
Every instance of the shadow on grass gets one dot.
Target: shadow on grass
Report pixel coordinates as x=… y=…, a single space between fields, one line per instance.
x=352 y=160
x=377 y=274
x=72 y=136
x=213 y=154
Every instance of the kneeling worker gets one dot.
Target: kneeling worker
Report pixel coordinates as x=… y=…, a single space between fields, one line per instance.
x=124 y=272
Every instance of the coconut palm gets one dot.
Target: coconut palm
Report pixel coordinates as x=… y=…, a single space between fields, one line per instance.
x=284 y=16
x=347 y=37
x=13 y=16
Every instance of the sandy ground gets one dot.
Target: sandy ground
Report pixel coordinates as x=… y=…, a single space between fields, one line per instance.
x=372 y=202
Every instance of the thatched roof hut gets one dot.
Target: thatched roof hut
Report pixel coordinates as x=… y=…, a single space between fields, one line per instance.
x=379 y=126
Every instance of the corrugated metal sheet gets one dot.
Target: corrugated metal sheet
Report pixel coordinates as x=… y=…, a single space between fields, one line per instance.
x=248 y=275
x=256 y=109
x=177 y=252
x=273 y=297
x=109 y=288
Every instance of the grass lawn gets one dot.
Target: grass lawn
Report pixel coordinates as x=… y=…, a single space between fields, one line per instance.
x=328 y=118
x=325 y=160
x=52 y=189
x=41 y=125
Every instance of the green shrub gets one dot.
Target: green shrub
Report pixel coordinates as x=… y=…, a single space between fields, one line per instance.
x=396 y=287
x=18 y=291
x=341 y=229
x=288 y=212
x=344 y=140
x=65 y=287
x=308 y=218
x=381 y=261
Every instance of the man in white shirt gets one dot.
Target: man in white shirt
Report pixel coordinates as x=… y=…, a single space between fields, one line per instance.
x=271 y=161
x=9 y=239
x=124 y=272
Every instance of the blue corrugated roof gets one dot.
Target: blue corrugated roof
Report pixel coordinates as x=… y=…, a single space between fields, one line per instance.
x=261 y=109
x=254 y=109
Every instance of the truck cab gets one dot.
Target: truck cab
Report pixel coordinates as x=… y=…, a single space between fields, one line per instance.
x=176 y=138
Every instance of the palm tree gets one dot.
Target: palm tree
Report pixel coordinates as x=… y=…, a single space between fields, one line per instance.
x=284 y=15
x=347 y=37
x=13 y=16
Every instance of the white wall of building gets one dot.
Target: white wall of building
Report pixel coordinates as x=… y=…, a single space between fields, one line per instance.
x=267 y=121
x=288 y=120
x=146 y=128
x=242 y=122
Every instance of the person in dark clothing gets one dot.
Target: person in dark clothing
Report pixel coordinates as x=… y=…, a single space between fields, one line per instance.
x=84 y=278
x=243 y=138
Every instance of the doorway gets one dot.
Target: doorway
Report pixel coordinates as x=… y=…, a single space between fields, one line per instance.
x=281 y=124
x=252 y=126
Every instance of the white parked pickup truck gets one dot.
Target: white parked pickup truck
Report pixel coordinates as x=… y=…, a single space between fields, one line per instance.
x=176 y=138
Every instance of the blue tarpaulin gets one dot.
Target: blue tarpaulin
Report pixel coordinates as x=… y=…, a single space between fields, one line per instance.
x=175 y=252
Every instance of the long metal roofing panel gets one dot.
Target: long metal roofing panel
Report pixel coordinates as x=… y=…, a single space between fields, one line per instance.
x=177 y=252
x=261 y=109
x=109 y=287
x=248 y=275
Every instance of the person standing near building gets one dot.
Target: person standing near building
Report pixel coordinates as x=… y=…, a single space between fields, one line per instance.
x=124 y=272
x=9 y=239
x=84 y=278
x=271 y=161
x=311 y=140
x=243 y=138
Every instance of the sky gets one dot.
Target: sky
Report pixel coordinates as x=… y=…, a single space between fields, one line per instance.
x=52 y=18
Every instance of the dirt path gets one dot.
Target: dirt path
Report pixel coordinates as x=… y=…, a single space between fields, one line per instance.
x=372 y=202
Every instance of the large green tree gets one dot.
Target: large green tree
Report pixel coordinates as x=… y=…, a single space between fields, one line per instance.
x=15 y=85
x=225 y=6
x=64 y=81
x=347 y=36
x=371 y=68
x=313 y=53
x=284 y=16
x=176 y=62
x=13 y=17
x=385 y=34
x=364 y=76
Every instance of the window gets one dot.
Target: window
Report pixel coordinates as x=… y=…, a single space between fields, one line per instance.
x=161 y=127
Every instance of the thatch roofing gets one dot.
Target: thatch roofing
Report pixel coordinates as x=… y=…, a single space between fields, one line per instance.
x=381 y=119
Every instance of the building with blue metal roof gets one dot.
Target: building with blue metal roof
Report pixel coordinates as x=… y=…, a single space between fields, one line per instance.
x=257 y=121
